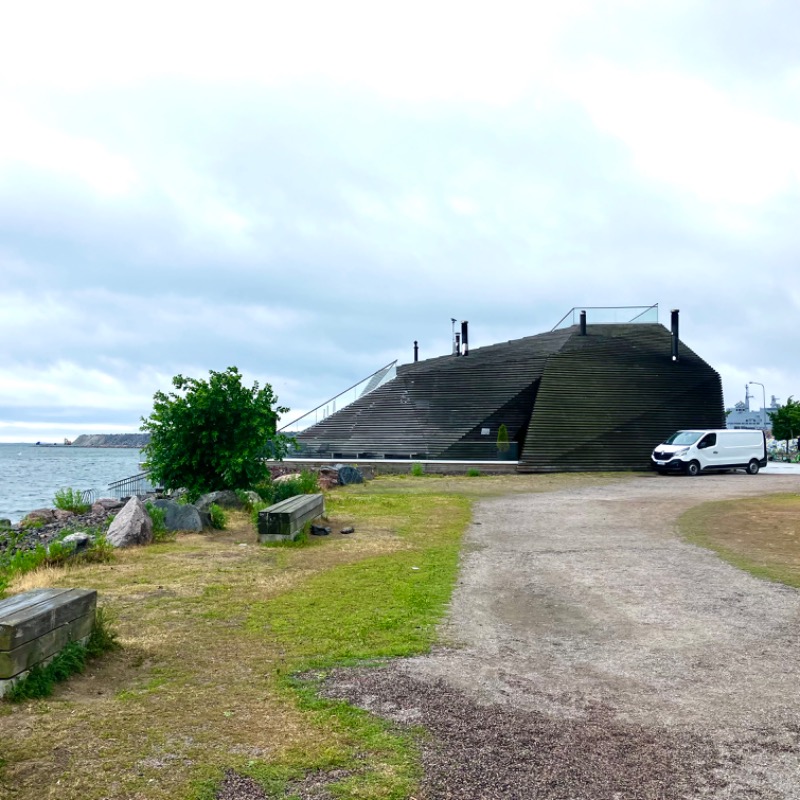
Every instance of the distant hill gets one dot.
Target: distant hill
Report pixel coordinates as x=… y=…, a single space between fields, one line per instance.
x=112 y=440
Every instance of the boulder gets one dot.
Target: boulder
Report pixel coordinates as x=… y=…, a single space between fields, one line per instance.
x=5 y=522
x=283 y=478
x=79 y=540
x=131 y=526
x=41 y=516
x=227 y=499
x=107 y=504
x=180 y=516
x=253 y=497
x=62 y=515
x=348 y=475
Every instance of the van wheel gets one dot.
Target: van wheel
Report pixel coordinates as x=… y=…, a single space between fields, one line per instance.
x=753 y=467
x=693 y=468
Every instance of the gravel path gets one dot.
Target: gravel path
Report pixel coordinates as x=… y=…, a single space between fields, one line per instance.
x=595 y=655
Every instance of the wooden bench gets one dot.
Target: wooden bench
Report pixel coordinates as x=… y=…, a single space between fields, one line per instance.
x=282 y=521
x=36 y=625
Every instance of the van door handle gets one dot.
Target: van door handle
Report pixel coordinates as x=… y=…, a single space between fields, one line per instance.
x=714 y=452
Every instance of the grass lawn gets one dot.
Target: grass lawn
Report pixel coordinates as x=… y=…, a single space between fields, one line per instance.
x=760 y=535
x=214 y=626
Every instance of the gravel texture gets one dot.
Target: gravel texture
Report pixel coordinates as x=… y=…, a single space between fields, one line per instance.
x=592 y=654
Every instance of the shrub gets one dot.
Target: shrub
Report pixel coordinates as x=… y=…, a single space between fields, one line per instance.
x=473 y=472
x=158 y=517
x=219 y=519
x=503 y=444
x=71 y=500
x=213 y=434
x=417 y=470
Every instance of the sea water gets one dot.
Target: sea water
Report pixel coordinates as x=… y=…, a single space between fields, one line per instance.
x=31 y=474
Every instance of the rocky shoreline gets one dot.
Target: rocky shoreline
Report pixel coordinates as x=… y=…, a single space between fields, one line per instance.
x=44 y=525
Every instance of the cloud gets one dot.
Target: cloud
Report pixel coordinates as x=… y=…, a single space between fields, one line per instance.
x=303 y=190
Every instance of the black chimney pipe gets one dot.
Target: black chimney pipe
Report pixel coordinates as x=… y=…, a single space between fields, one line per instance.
x=416 y=351
x=465 y=337
x=674 y=313
x=583 y=323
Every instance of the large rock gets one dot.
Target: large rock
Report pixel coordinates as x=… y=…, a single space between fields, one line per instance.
x=41 y=516
x=253 y=497
x=227 y=499
x=348 y=474
x=131 y=526
x=181 y=516
x=79 y=541
x=107 y=504
x=292 y=476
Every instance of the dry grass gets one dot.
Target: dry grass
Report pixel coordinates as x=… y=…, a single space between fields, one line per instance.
x=760 y=535
x=490 y=485
x=191 y=691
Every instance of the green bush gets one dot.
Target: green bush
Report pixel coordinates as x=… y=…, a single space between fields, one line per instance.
x=503 y=444
x=417 y=470
x=71 y=500
x=212 y=434
x=473 y=472
x=158 y=517
x=219 y=519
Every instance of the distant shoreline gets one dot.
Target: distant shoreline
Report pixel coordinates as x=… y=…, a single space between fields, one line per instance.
x=130 y=440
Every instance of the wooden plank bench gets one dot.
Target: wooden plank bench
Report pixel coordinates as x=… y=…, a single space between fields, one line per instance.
x=36 y=625
x=282 y=521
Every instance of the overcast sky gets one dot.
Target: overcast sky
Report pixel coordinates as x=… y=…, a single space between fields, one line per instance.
x=304 y=189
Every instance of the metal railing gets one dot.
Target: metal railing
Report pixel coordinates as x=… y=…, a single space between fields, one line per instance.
x=343 y=399
x=134 y=485
x=604 y=315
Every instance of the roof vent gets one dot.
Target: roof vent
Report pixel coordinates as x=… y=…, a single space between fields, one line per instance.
x=675 y=355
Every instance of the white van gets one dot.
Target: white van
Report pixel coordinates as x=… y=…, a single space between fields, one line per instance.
x=694 y=452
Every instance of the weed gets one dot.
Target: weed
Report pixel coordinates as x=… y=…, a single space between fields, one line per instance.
x=219 y=519
x=158 y=517
x=473 y=472
x=417 y=470
x=31 y=523
x=71 y=500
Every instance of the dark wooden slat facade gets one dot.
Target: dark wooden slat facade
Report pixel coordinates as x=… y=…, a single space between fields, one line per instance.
x=570 y=402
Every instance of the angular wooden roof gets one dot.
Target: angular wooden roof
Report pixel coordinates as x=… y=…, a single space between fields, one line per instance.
x=567 y=400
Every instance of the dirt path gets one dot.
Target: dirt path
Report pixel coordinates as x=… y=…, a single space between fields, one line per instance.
x=599 y=656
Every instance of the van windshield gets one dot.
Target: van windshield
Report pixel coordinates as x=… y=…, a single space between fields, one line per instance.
x=684 y=437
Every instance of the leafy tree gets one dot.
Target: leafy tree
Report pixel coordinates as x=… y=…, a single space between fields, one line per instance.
x=786 y=420
x=213 y=434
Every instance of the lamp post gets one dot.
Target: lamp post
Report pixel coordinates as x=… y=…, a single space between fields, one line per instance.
x=764 y=403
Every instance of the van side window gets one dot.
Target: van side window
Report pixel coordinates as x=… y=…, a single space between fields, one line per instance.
x=709 y=440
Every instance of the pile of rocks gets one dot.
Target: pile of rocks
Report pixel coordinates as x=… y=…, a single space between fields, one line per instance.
x=44 y=525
